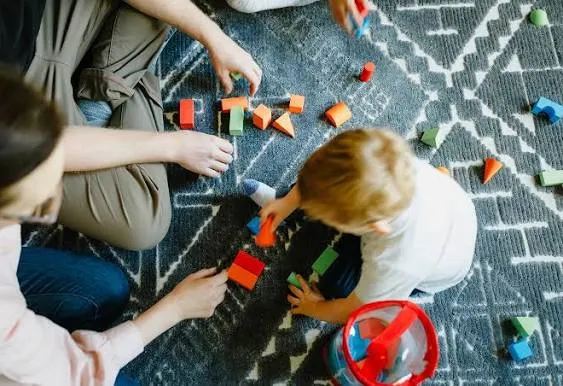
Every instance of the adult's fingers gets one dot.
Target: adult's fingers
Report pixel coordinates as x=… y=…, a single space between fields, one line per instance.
x=211 y=173
x=203 y=273
x=226 y=82
x=220 y=278
x=219 y=166
x=224 y=145
x=223 y=157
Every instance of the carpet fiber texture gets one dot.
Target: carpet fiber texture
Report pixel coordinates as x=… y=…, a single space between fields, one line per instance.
x=470 y=68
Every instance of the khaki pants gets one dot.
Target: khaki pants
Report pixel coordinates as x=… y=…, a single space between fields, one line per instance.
x=100 y=50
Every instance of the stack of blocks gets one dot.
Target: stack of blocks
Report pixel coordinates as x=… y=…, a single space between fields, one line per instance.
x=320 y=266
x=525 y=326
x=246 y=270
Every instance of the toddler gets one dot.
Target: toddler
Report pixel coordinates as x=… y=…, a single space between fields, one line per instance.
x=417 y=226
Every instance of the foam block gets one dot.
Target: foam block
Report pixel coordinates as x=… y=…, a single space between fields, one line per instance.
x=284 y=125
x=236 y=120
x=266 y=238
x=548 y=107
x=520 y=350
x=261 y=117
x=525 y=325
x=254 y=225
x=443 y=169
x=550 y=178
x=296 y=104
x=292 y=279
x=432 y=137
x=228 y=103
x=492 y=167
x=338 y=114
x=242 y=276
x=367 y=71
x=187 y=116
x=249 y=263
x=324 y=261
x=361 y=7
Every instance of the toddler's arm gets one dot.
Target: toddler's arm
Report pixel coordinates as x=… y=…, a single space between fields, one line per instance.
x=281 y=208
x=310 y=302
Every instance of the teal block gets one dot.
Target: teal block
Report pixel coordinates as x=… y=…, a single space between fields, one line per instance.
x=551 y=178
x=525 y=325
x=325 y=260
x=236 y=120
x=432 y=137
x=520 y=350
x=254 y=225
x=292 y=279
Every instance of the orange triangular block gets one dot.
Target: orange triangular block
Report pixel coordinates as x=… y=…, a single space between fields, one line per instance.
x=492 y=166
x=284 y=125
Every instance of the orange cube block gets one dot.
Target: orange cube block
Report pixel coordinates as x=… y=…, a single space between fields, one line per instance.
x=187 y=117
x=284 y=125
x=228 y=103
x=242 y=276
x=338 y=114
x=262 y=117
x=296 y=104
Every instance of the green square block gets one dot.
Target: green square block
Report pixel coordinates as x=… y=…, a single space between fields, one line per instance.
x=236 y=120
x=525 y=325
x=432 y=137
x=551 y=178
x=236 y=75
x=292 y=279
x=325 y=260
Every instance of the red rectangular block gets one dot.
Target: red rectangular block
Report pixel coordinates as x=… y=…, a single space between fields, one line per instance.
x=187 y=116
x=242 y=276
x=249 y=262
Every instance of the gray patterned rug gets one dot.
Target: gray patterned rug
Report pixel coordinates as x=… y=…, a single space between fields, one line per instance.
x=469 y=67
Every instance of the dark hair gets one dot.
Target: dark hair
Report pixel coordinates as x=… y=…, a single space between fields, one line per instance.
x=30 y=128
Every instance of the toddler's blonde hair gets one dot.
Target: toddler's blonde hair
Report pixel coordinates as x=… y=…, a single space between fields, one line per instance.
x=359 y=177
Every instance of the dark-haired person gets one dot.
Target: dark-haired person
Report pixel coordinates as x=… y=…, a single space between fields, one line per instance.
x=46 y=294
x=95 y=54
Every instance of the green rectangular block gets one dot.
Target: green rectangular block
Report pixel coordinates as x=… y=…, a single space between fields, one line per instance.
x=236 y=120
x=551 y=178
x=324 y=261
x=525 y=325
x=292 y=279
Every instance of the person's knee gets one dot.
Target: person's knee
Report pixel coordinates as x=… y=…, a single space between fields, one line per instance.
x=148 y=226
x=246 y=6
x=113 y=294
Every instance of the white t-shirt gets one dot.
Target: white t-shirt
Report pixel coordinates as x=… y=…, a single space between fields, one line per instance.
x=431 y=244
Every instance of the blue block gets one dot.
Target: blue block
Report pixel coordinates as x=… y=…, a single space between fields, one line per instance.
x=254 y=225
x=359 y=31
x=546 y=106
x=520 y=350
x=358 y=346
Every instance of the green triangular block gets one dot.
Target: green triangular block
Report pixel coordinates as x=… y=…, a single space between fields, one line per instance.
x=324 y=261
x=292 y=279
x=526 y=325
x=236 y=75
x=432 y=137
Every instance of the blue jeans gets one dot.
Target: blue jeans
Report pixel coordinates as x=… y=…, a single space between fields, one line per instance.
x=75 y=292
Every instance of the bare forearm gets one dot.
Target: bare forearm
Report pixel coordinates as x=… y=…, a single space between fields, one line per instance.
x=92 y=148
x=336 y=311
x=182 y=14
x=156 y=320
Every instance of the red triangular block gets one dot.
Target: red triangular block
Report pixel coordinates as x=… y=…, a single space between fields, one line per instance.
x=492 y=166
x=284 y=125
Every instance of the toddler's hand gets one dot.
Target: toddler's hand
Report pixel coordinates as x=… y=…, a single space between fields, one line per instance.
x=279 y=209
x=305 y=300
x=341 y=9
x=199 y=294
x=227 y=57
